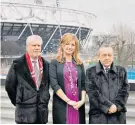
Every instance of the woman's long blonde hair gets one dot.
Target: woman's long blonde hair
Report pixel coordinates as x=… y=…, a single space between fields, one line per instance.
x=67 y=38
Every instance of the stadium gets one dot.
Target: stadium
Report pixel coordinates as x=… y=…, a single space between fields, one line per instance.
x=19 y=20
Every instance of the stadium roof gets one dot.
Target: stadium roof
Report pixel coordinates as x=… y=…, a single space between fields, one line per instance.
x=18 y=21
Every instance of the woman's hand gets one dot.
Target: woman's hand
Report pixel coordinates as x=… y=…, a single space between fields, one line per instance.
x=78 y=104
x=71 y=102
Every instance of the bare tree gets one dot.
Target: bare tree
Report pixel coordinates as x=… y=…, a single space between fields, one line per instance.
x=100 y=40
x=122 y=39
x=124 y=45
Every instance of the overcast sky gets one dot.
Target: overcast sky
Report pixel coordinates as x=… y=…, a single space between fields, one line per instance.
x=108 y=12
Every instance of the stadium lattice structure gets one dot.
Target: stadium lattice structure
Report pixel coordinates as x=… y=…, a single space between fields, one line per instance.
x=19 y=20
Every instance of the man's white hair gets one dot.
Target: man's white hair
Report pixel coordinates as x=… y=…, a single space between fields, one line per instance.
x=33 y=38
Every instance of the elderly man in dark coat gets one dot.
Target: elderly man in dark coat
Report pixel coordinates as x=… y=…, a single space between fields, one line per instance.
x=107 y=88
x=27 y=84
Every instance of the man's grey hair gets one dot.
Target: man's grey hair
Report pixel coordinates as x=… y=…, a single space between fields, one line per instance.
x=33 y=38
x=104 y=46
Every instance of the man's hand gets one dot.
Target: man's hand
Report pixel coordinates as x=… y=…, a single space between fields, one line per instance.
x=112 y=109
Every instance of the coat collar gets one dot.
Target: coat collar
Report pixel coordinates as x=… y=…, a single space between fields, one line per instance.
x=22 y=68
x=99 y=68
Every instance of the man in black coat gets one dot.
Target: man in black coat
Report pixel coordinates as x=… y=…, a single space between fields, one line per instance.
x=27 y=84
x=107 y=88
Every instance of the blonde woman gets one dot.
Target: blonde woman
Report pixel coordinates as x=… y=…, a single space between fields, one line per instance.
x=67 y=78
